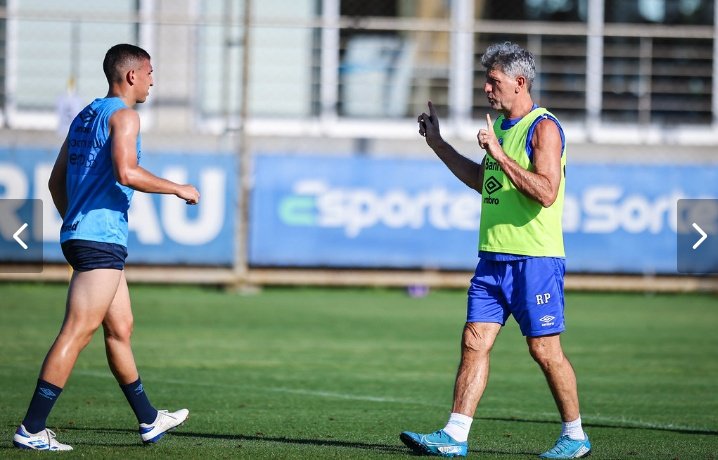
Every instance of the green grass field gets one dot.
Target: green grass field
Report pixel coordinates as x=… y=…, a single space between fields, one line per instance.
x=338 y=373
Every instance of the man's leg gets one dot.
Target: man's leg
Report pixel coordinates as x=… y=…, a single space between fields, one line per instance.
x=471 y=378
x=118 y=325
x=485 y=314
x=473 y=372
x=561 y=379
x=88 y=298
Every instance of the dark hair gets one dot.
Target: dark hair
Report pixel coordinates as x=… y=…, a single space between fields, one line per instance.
x=118 y=58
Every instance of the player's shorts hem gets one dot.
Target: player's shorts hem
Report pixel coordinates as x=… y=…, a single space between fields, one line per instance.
x=543 y=332
x=486 y=320
x=84 y=255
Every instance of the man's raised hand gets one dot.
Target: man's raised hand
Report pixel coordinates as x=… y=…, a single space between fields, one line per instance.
x=487 y=136
x=429 y=125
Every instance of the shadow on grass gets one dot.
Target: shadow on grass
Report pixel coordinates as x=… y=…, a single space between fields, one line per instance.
x=375 y=447
x=627 y=426
x=230 y=437
x=384 y=448
x=329 y=443
x=298 y=441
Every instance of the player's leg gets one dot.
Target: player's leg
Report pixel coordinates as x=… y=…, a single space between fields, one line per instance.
x=485 y=317
x=88 y=299
x=538 y=306
x=473 y=372
x=486 y=313
x=559 y=373
x=118 y=324
x=89 y=296
x=471 y=377
x=561 y=378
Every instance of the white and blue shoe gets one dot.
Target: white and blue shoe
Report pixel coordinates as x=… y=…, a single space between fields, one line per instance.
x=566 y=447
x=438 y=443
x=43 y=440
x=165 y=421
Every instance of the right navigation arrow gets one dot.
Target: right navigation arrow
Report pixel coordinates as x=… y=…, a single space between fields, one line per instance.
x=703 y=235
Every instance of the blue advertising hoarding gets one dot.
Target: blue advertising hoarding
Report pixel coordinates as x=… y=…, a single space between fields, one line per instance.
x=360 y=212
x=357 y=211
x=408 y=213
x=163 y=229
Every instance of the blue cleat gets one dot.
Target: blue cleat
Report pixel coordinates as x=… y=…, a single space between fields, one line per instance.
x=437 y=443
x=566 y=447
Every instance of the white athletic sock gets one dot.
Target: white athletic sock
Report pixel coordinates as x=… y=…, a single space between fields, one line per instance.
x=573 y=430
x=458 y=426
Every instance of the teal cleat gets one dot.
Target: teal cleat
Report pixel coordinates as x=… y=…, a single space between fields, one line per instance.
x=437 y=443
x=566 y=447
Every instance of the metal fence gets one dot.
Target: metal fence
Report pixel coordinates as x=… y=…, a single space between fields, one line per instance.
x=641 y=70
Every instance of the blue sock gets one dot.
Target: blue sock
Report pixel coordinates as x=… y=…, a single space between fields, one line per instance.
x=40 y=406
x=136 y=396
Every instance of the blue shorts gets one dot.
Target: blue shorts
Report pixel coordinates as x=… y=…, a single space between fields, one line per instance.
x=531 y=289
x=85 y=255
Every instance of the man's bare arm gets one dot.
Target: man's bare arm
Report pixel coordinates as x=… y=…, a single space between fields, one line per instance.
x=124 y=129
x=57 y=183
x=466 y=170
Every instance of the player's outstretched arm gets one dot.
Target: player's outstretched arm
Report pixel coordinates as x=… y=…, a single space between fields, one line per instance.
x=57 y=184
x=466 y=170
x=124 y=129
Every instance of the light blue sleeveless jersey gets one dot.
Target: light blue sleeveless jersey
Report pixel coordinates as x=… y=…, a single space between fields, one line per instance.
x=97 y=204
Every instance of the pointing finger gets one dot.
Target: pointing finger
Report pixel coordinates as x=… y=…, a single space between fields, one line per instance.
x=489 y=123
x=432 y=111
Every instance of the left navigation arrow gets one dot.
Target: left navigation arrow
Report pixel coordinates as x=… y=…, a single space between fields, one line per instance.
x=16 y=236
x=21 y=245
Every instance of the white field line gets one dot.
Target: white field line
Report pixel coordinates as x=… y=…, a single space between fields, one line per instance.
x=619 y=422
x=298 y=391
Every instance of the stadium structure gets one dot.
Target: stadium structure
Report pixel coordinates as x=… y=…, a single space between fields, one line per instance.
x=297 y=121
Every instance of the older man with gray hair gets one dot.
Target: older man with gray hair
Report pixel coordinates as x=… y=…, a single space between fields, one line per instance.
x=521 y=255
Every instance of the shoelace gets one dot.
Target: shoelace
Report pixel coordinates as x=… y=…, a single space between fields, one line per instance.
x=562 y=445
x=50 y=435
x=440 y=434
x=167 y=414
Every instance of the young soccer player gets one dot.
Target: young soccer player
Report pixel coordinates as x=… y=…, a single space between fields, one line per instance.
x=92 y=183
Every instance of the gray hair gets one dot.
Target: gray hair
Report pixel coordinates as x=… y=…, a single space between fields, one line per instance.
x=510 y=59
